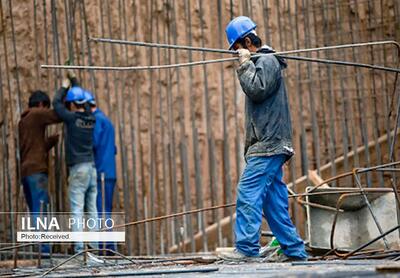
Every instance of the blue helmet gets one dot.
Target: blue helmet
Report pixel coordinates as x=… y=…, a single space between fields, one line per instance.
x=75 y=94
x=238 y=28
x=89 y=97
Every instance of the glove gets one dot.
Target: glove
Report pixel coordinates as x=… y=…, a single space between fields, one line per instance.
x=71 y=74
x=66 y=83
x=244 y=55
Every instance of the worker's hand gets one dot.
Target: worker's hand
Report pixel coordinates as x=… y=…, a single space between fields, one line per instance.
x=244 y=55
x=70 y=74
x=66 y=83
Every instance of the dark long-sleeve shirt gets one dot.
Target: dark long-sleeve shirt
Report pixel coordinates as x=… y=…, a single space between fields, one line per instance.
x=34 y=145
x=79 y=131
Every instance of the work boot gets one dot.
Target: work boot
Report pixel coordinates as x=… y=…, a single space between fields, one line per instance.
x=282 y=258
x=236 y=256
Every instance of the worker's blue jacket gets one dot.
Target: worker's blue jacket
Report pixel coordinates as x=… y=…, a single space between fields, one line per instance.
x=104 y=146
x=268 y=125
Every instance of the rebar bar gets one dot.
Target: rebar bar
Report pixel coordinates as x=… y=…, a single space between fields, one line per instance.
x=371 y=241
x=358 y=182
x=215 y=50
x=205 y=62
x=82 y=253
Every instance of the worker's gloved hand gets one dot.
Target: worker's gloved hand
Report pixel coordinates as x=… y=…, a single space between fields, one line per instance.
x=66 y=83
x=244 y=55
x=71 y=74
x=72 y=77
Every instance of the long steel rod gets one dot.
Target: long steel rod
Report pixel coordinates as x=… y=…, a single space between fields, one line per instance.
x=204 y=62
x=216 y=50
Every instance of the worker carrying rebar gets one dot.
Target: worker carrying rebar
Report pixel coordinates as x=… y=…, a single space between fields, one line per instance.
x=268 y=145
x=34 y=147
x=79 y=125
x=105 y=151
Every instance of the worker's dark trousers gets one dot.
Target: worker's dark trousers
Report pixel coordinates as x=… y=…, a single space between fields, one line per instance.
x=35 y=191
x=261 y=189
x=109 y=185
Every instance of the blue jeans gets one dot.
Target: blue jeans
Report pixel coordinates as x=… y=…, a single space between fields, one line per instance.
x=82 y=196
x=261 y=189
x=109 y=185
x=35 y=191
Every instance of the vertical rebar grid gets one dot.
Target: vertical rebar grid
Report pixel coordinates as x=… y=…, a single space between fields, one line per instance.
x=180 y=131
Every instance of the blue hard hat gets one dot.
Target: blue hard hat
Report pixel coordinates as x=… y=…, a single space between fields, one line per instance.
x=238 y=28
x=75 y=94
x=89 y=97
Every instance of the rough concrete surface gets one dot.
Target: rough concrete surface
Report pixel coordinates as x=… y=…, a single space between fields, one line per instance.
x=337 y=268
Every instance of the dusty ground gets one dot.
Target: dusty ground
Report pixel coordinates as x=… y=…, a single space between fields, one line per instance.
x=353 y=268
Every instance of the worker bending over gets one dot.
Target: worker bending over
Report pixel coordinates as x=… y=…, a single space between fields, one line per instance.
x=268 y=145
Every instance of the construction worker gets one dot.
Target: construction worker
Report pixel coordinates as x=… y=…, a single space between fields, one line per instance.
x=79 y=125
x=104 y=157
x=34 y=147
x=268 y=145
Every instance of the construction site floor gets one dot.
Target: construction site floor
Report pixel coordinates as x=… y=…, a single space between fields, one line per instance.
x=334 y=268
